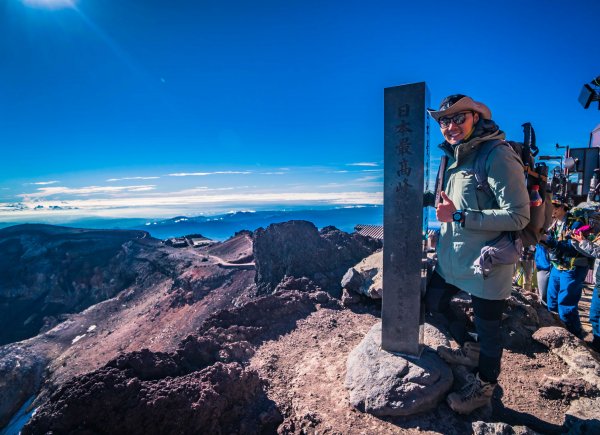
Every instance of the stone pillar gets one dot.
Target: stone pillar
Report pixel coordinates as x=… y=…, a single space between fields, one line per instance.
x=406 y=166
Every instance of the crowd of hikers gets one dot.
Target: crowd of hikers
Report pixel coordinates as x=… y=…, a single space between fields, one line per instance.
x=562 y=259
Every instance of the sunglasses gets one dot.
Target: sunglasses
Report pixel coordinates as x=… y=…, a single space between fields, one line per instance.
x=457 y=119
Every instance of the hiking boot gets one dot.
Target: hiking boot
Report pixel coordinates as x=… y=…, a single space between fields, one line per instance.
x=468 y=355
x=475 y=394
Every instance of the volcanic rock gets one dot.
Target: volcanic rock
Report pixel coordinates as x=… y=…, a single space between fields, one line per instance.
x=298 y=249
x=21 y=374
x=583 y=416
x=524 y=315
x=384 y=384
x=567 y=388
x=223 y=398
x=190 y=328
x=485 y=428
x=172 y=292
x=46 y=271
x=582 y=361
x=349 y=298
x=366 y=277
x=203 y=382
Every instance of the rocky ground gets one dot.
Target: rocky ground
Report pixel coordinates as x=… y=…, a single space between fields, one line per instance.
x=193 y=346
x=306 y=371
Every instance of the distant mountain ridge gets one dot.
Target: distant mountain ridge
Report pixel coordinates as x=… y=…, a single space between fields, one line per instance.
x=220 y=227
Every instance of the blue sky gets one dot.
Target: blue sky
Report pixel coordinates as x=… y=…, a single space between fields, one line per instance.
x=157 y=108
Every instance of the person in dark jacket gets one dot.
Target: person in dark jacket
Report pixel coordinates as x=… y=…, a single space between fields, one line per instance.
x=592 y=248
x=569 y=269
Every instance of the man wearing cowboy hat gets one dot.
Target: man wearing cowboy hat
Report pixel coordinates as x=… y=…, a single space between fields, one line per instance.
x=470 y=218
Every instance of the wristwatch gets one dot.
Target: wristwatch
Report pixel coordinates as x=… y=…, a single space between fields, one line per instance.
x=458 y=216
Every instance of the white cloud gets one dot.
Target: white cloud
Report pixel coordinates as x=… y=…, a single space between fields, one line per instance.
x=45 y=192
x=203 y=174
x=202 y=189
x=131 y=178
x=332 y=185
x=272 y=173
x=143 y=205
x=363 y=164
x=368 y=178
x=42 y=183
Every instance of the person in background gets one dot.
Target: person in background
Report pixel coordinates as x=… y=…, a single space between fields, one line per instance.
x=543 y=266
x=569 y=268
x=541 y=257
x=470 y=219
x=593 y=250
x=524 y=270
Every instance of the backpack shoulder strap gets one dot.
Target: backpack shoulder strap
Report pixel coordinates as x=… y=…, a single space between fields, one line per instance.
x=479 y=170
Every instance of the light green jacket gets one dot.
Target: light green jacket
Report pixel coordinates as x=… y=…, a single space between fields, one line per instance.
x=485 y=217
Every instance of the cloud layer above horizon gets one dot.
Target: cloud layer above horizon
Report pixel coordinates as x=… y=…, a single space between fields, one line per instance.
x=177 y=192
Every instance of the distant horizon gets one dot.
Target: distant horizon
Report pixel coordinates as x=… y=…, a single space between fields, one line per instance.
x=154 y=213
x=223 y=225
x=56 y=217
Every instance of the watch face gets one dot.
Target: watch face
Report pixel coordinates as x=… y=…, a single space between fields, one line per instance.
x=457 y=216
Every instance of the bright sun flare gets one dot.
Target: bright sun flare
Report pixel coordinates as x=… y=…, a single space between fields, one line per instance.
x=50 y=4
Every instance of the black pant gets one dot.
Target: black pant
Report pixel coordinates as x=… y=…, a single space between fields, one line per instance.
x=488 y=319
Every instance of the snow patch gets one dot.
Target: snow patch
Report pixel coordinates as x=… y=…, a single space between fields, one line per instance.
x=76 y=339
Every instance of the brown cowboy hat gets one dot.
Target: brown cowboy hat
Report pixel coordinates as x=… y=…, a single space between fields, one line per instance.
x=460 y=103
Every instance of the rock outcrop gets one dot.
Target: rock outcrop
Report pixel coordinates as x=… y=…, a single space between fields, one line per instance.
x=222 y=398
x=585 y=363
x=298 y=249
x=366 y=278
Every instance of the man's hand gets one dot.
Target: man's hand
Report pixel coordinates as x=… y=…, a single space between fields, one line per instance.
x=445 y=209
x=432 y=237
x=578 y=236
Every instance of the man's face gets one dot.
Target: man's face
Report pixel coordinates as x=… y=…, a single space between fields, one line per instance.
x=455 y=127
x=558 y=212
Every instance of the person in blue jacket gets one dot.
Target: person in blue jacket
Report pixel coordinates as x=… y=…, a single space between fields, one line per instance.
x=569 y=269
x=592 y=248
x=543 y=266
